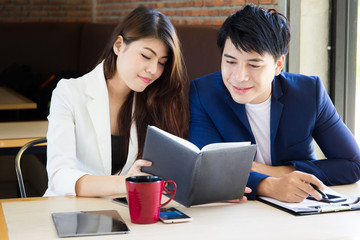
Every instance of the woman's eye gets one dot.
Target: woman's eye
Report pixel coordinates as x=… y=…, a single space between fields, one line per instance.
x=146 y=57
x=230 y=62
x=162 y=64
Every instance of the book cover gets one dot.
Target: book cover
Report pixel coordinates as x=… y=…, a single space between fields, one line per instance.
x=214 y=173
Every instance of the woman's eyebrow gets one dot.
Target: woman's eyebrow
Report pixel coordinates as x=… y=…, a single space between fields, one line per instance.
x=147 y=48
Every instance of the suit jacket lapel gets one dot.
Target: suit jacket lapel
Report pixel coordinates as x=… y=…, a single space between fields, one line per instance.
x=240 y=112
x=275 y=112
x=98 y=108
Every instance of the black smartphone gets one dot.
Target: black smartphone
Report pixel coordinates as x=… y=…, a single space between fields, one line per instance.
x=173 y=215
x=331 y=199
x=121 y=200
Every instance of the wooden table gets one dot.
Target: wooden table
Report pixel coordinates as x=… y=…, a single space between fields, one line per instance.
x=11 y=100
x=17 y=134
x=31 y=219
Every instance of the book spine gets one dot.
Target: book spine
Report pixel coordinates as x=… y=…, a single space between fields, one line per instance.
x=194 y=178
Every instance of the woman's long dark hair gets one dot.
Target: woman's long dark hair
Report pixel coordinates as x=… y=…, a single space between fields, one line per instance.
x=163 y=103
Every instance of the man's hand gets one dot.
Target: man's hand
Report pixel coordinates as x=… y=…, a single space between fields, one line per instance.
x=274 y=171
x=292 y=187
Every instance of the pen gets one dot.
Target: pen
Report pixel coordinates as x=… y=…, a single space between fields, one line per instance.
x=324 y=196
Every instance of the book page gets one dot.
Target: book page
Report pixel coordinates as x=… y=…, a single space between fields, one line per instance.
x=223 y=145
x=180 y=140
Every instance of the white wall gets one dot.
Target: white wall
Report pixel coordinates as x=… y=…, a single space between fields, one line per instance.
x=308 y=51
x=314 y=39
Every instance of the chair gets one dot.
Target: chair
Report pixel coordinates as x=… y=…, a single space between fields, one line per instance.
x=18 y=166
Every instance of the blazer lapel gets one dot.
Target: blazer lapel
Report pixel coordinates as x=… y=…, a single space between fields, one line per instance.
x=133 y=145
x=276 y=111
x=240 y=112
x=98 y=108
x=133 y=150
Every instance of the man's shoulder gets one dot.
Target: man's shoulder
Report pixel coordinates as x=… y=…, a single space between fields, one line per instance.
x=216 y=76
x=209 y=82
x=296 y=79
x=210 y=86
x=290 y=84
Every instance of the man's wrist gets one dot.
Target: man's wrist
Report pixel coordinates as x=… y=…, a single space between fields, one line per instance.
x=265 y=186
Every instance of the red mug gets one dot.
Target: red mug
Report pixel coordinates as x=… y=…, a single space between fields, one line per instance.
x=144 y=197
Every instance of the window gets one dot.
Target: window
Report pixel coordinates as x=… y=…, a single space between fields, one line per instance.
x=344 y=80
x=357 y=91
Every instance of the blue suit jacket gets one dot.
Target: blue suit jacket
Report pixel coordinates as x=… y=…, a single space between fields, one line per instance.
x=301 y=111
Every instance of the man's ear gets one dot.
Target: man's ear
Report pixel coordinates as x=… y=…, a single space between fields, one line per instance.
x=279 y=65
x=119 y=42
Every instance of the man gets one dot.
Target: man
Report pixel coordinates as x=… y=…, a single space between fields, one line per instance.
x=250 y=99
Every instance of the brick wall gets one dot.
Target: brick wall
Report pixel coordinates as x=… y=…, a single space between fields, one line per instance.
x=199 y=12
x=45 y=10
x=194 y=12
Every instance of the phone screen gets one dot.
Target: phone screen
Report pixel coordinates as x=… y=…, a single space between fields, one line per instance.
x=331 y=199
x=121 y=200
x=173 y=215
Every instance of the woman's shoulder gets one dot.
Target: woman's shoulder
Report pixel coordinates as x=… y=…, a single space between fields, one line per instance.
x=79 y=84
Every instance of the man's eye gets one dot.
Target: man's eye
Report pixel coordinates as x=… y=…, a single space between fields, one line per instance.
x=146 y=57
x=254 y=66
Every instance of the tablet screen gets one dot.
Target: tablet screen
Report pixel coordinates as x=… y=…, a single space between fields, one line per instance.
x=87 y=223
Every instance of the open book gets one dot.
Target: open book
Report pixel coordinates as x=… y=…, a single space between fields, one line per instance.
x=309 y=206
x=217 y=172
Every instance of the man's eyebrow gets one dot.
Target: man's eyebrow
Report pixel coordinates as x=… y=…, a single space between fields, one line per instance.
x=249 y=60
x=147 y=48
x=229 y=56
x=255 y=60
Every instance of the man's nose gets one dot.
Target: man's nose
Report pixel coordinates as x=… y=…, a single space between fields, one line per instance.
x=241 y=74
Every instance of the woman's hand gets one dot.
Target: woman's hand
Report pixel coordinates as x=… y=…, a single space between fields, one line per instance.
x=96 y=186
x=244 y=198
x=292 y=187
x=135 y=169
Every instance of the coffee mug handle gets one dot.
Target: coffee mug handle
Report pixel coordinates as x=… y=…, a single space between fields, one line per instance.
x=167 y=191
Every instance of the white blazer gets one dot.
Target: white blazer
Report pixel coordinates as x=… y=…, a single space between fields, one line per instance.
x=79 y=134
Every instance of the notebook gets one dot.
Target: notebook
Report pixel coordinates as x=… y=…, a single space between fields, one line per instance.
x=310 y=206
x=214 y=173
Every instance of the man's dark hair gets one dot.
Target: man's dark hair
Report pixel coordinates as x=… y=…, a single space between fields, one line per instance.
x=256 y=29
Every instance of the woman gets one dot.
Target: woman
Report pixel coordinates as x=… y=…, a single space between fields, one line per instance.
x=97 y=123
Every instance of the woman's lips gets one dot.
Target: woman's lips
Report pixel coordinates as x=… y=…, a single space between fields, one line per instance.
x=145 y=80
x=241 y=90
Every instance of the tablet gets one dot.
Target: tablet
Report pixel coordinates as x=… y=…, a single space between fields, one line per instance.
x=89 y=223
